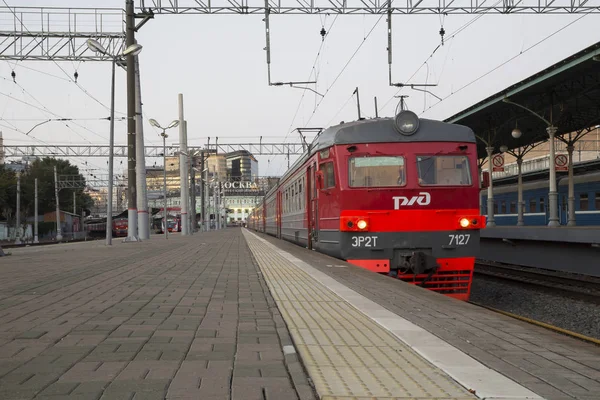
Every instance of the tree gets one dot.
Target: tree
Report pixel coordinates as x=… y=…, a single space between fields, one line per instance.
x=8 y=192
x=43 y=170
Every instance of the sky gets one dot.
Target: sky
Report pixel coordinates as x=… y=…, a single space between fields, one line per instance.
x=218 y=63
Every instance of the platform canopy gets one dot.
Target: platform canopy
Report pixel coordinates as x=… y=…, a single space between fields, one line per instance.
x=566 y=94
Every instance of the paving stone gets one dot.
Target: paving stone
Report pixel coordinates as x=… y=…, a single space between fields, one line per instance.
x=132 y=320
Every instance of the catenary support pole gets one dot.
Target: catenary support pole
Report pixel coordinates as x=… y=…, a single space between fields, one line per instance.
x=140 y=158
x=183 y=173
x=18 y=226
x=58 y=231
x=35 y=221
x=111 y=145
x=131 y=153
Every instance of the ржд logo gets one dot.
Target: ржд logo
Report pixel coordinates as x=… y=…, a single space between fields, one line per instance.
x=422 y=199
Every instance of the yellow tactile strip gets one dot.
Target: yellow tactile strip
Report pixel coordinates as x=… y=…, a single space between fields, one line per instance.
x=347 y=355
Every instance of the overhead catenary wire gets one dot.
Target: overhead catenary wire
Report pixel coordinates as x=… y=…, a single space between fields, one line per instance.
x=509 y=60
x=448 y=40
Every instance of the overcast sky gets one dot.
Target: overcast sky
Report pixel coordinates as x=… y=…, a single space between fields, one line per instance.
x=218 y=63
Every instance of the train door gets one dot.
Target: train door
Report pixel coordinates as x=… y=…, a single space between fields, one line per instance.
x=563 y=208
x=308 y=193
x=314 y=206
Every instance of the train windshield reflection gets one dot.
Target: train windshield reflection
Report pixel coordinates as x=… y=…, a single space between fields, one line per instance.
x=377 y=171
x=443 y=170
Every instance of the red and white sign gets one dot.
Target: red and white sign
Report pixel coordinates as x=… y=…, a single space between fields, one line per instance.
x=561 y=162
x=498 y=163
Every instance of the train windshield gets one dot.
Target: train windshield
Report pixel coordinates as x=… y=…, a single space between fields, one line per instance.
x=377 y=171
x=443 y=170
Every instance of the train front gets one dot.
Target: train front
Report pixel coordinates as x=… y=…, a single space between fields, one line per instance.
x=410 y=202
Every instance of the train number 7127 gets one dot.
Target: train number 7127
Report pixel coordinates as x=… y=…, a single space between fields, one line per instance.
x=459 y=240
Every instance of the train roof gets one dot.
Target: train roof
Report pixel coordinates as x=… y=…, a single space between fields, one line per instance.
x=382 y=130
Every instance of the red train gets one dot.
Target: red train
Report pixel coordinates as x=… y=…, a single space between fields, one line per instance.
x=398 y=196
x=97 y=227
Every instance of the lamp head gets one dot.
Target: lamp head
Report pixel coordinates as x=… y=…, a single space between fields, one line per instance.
x=155 y=124
x=133 y=50
x=173 y=124
x=95 y=45
x=516 y=133
x=503 y=148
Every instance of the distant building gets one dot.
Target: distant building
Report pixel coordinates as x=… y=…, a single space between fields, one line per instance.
x=241 y=166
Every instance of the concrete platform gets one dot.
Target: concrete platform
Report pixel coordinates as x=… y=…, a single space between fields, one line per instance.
x=229 y=315
x=187 y=318
x=479 y=348
x=544 y=247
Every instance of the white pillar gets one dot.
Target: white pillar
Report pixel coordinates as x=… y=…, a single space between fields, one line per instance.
x=571 y=201
x=140 y=156
x=553 y=193
x=520 y=203
x=490 y=190
x=183 y=170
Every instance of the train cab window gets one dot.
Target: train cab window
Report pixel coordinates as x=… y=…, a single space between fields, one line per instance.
x=583 y=202
x=444 y=170
x=328 y=175
x=376 y=171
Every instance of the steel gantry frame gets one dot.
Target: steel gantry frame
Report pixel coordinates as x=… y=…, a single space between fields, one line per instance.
x=305 y=7
x=265 y=149
x=59 y=34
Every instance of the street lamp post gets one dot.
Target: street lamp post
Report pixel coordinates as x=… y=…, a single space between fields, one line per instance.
x=173 y=124
x=133 y=50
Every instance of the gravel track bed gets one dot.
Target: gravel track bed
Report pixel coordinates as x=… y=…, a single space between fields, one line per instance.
x=537 y=303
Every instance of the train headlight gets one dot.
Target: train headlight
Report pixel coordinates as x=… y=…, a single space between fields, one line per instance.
x=406 y=122
x=361 y=224
x=464 y=222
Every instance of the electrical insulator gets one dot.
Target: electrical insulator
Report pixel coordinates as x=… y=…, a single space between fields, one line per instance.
x=14 y=76
x=442 y=33
x=76 y=75
x=323 y=33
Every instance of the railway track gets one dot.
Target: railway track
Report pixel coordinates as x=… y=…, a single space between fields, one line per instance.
x=584 y=287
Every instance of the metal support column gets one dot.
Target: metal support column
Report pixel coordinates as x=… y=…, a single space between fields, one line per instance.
x=35 y=221
x=202 y=195
x=58 y=232
x=131 y=153
x=193 y=223
x=18 y=226
x=74 y=202
x=571 y=200
x=490 y=190
x=553 y=193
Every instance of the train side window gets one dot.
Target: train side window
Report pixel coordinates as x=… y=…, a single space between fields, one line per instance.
x=495 y=208
x=513 y=207
x=328 y=175
x=583 y=202
x=542 y=207
x=503 y=207
x=597 y=200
